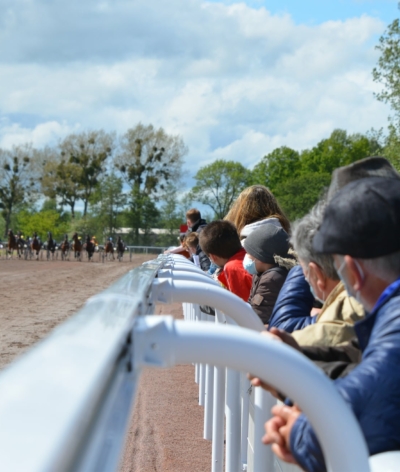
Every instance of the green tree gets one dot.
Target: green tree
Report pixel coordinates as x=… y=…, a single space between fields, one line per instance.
x=61 y=180
x=338 y=150
x=2 y=227
x=387 y=71
x=276 y=167
x=392 y=146
x=149 y=160
x=298 y=195
x=89 y=152
x=108 y=201
x=219 y=184
x=170 y=215
x=143 y=214
x=17 y=182
x=41 y=222
x=299 y=179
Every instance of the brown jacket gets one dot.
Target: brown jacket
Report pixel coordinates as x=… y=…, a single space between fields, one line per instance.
x=264 y=291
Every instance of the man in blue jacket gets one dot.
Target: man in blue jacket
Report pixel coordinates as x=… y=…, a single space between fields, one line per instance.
x=361 y=228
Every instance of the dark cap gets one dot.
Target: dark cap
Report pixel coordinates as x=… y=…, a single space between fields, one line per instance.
x=375 y=166
x=266 y=241
x=362 y=220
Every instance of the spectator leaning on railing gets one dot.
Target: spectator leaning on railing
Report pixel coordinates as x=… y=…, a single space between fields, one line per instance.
x=196 y=224
x=256 y=206
x=295 y=302
x=334 y=324
x=192 y=244
x=268 y=261
x=361 y=229
x=220 y=241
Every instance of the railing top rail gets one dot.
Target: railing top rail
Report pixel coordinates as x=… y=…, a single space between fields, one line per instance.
x=160 y=248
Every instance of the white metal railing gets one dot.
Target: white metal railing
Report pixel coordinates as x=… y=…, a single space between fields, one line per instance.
x=65 y=404
x=163 y=342
x=145 y=249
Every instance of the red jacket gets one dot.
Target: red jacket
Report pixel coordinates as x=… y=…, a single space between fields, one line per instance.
x=235 y=277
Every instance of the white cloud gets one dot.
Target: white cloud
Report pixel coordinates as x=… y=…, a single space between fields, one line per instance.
x=234 y=81
x=47 y=133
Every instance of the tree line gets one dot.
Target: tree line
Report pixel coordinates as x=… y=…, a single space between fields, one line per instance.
x=117 y=181
x=134 y=181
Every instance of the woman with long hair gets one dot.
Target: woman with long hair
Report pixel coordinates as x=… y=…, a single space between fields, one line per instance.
x=256 y=206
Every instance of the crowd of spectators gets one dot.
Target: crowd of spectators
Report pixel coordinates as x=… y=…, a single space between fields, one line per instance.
x=329 y=286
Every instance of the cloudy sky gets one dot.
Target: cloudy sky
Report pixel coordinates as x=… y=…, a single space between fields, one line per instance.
x=234 y=79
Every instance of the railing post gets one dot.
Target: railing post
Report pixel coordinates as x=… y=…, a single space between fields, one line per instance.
x=195 y=316
x=209 y=403
x=233 y=418
x=218 y=420
x=232 y=412
x=217 y=456
x=209 y=397
x=263 y=455
x=245 y=395
x=202 y=367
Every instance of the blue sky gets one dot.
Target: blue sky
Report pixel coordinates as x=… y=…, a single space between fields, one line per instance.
x=318 y=11
x=235 y=80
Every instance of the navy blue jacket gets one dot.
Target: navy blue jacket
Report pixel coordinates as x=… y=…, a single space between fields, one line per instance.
x=294 y=303
x=372 y=389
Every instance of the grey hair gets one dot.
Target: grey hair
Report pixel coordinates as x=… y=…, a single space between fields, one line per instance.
x=386 y=268
x=303 y=232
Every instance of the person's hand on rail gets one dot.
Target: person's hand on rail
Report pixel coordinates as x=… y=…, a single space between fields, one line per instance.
x=278 y=430
x=280 y=336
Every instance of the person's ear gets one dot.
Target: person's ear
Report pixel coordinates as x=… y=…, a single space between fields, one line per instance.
x=316 y=272
x=354 y=277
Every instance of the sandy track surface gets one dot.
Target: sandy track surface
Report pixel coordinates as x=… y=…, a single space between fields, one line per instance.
x=35 y=296
x=165 y=432
x=166 y=429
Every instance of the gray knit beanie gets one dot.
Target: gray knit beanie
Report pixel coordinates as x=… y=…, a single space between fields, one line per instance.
x=265 y=242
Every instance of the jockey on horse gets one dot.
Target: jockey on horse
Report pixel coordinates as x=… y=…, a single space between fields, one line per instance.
x=89 y=246
x=12 y=242
x=51 y=245
x=120 y=248
x=36 y=245
x=77 y=246
x=65 y=247
x=109 y=248
x=21 y=243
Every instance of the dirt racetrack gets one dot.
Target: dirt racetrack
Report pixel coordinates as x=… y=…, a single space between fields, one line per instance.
x=165 y=432
x=35 y=296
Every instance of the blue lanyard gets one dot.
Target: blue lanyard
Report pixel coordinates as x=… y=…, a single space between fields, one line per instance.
x=387 y=293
